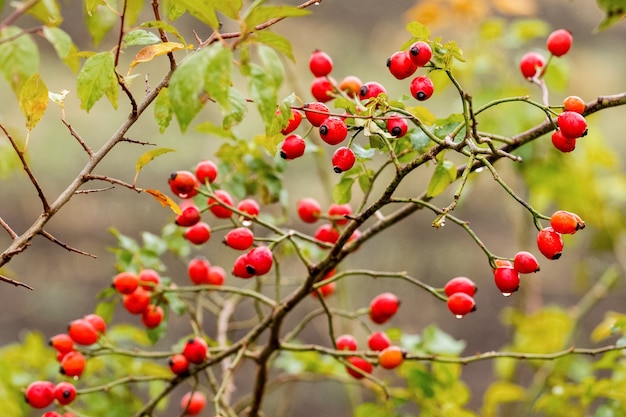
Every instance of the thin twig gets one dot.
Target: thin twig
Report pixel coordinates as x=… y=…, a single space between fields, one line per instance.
x=64 y=245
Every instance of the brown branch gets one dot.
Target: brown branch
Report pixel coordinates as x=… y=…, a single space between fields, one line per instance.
x=76 y=136
x=95 y=190
x=6 y=227
x=17 y=13
x=162 y=34
x=65 y=246
x=14 y=282
x=91 y=177
x=33 y=180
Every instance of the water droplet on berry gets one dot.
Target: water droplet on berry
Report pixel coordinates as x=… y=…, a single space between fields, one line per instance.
x=246 y=222
x=317 y=3
x=459 y=316
x=507 y=294
x=183 y=196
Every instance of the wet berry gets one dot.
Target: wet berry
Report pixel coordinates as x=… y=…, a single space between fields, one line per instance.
x=240 y=238
x=316 y=113
x=401 y=65
x=461 y=304
x=531 y=64
x=420 y=53
x=320 y=63
x=460 y=284
x=422 y=88
x=333 y=130
x=183 y=184
x=343 y=159
x=293 y=147
x=550 y=243
x=525 y=263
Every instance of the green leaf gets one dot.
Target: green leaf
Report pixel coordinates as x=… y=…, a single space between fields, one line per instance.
x=163 y=26
x=271 y=63
x=140 y=37
x=217 y=79
x=258 y=14
x=263 y=92
x=276 y=41
x=445 y=126
x=423 y=114
x=418 y=30
x=100 y=22
x=237 y=108
x=498 y=393
x=186 y=87
x=97 y=78
x=615 y=11
x=106 y=309
x=47 y=12
x=147 y=157
x=132 y=11
x=33 y=100
x=92 y=5
x=444 y=175
x=19 y=58
x=342 y=191
x=528 y=29
x=230 y=8
x=203 y=10
x=59 y=39
x=440 y=342
x=163 y=110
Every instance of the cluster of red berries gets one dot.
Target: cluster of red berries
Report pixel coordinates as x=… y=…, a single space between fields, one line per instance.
x=255 y=262
x=403 y=64
x=310 y=211
x=382 y=308
x=571 y=123
x=460 y=292
x=137 y=295
x=549 y=239
x=84 y=331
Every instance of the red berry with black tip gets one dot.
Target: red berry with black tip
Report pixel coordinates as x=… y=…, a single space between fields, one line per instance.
x=566 y=222
x=371 y=89
x=343 y=159
x=420 y=53
x=39 y=394
x=333 y=131
x=507 y=280
x=559 y=42
x=195 y=350
x=178 y=363
x=259 y=260
x=525 y=263
x=184 y=184
x=320 y=63
x=550 y=243
x=240 y=269
x=397 y=126
x=293 y=147
x=64 y=393
x=422 y=88
x=62 y=342
x=73 y=364
x=401 y=65
x=82 y=332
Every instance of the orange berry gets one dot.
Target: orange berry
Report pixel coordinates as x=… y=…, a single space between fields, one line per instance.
x=391 y=357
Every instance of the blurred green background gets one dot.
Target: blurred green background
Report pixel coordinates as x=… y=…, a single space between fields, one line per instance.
x=359 y=35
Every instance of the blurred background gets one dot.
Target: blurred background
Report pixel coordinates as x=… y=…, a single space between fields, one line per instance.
x=359 y=35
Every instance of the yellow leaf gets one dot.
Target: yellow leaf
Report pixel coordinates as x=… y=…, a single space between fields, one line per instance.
x=33 y=100
x=164 y=200
x=144 y=159
x=516 y=7
x=148 y=53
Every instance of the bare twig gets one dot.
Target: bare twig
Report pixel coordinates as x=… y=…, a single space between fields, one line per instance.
x=14 y=282
x=53 y=239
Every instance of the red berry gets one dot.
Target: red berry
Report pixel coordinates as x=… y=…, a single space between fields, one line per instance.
x=320 y=63
x=461 y=304
x=531 y=63
x=338 y=213
x=184 y=184
x=550 y=243
x=195 y=350
x=565 y=222
x=125 y=282
x=401 y=65
x=326 y=290
x=292 y=147
x=63 y=343
x=420 y=53
x=240 y=269
x=189 y=216
x=378 y=341
x=40 y=394
x=309 y=210
x=249 y=206
x=333 y=130
x=343 y=159
x=371 y=90
x=199 y=233
x=563 y=143
x=316 y=113
x=206 y=172
x=460 y=284
x=52 y=414
x=383 y=307
x=351 y=85
x=506 y=279
x=259 y=260
x=97 y=322
x=322 y=89
x=136 y=302
x=198 y=270
x=397 y=126
x=217 y=209
x=574 y=103
x=240 y=238
x=559 y=42
x=64 y=393
x=178 y=363
x=82 y=332
x=525 y=263
x=572 y=124
x=73 y=364
x=149 y=279
x=391 y=357
x=152 y=316
x=422 y=88
x=327 y=233
x=361 y=364
x=292 y=124
x=217 y=275
x=193 y=403
x=346 y=342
